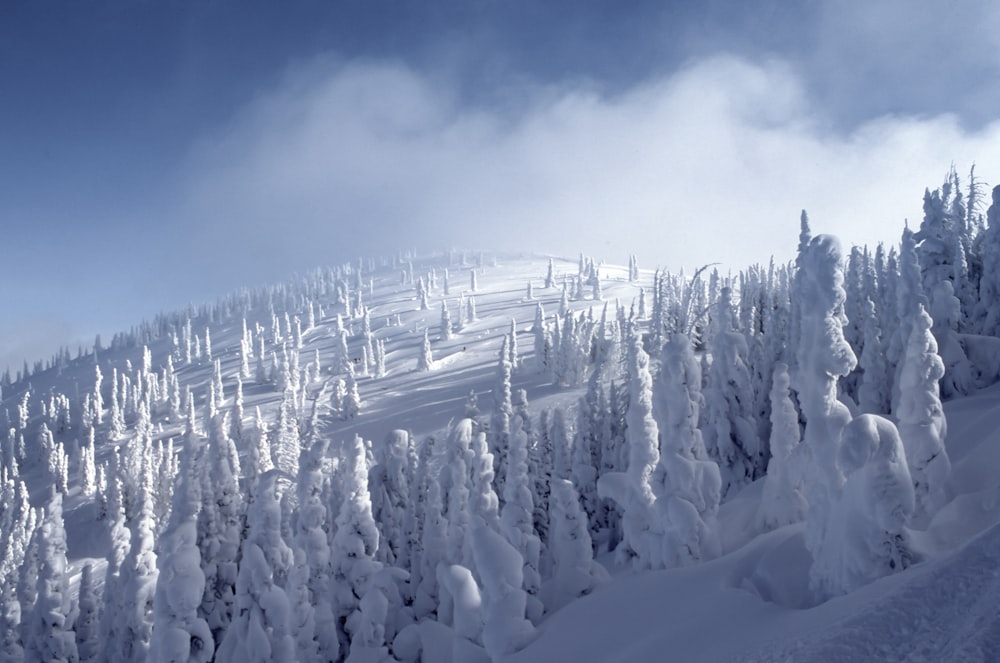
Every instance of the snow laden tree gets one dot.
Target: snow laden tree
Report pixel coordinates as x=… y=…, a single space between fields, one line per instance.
x=312 y=533
x=425 y=360
x=179 y=633
x=730 y=435
x=782 y=501
x=505 y=629
x=686 y=483
x=922 y=423
x=642 y=533
x=517 y=516
x=220 y=526
x=354 y=543
x=87 y=625
x=858 y=485
x=261 y=626
x=138 y=586
x=866 y=528
x=49 y=634
x=575 y=573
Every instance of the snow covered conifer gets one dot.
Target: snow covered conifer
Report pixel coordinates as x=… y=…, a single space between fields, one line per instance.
x=505 y=629
x=922 y=423
x=632 y=490
x=179 y=633
x=87 y=625
x=823 y=356
x=49 y=625
x=355 y=541
x=312 y=528
x=576 y=573
x=138 y=585
x=425 y=361
x=261 y=627
x=445 y=322
x=866 y=532
x=686 y=483
x=286 y=447
x=730 y=435
x=782 y=501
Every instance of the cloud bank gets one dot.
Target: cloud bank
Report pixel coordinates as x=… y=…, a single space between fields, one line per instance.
x=710 y=164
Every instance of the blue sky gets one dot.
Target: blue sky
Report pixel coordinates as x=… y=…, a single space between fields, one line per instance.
x=156 y=153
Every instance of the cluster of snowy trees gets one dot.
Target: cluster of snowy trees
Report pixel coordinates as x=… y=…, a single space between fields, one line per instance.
x=261 y=538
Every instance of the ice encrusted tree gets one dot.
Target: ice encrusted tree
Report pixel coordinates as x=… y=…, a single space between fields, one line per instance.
x=49 y=634
x=445 y=322
x=823 y=356
x=922 y=423
x=505 y=628
x=782 y=500
x=312 y=533
x=866 y=535
x=874 y=393
x=138 y=584
x=425 y=360
x=179 y=633
x=220 y=526
x=642 y=533
x=686 y=483
x=730 y=435
x=261 y=628
x=87 y=625
x=354 y=543
x=517 y=516
x=389 y=486
x=575 y=573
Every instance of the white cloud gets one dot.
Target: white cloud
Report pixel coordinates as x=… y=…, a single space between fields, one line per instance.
x=710 y=164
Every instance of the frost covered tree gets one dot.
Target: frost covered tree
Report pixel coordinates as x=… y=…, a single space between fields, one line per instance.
x=922 y=423
x=642 y=533
x=874 y=393
x=425 y=360
x=575 y=573
x=866 y=528
x=505 y=629
x=823 y=356
x=517 y=516
x=686 y=483
x=138 y=586
x=220 y=526
x=312 y=533
x=445 y=322
x=355 y=541
x=389 y=486
x=286 y=445
x=179 y=633
x=49 y=634
x=87 y=625
x=782 y=501
x=261 y=626
x=988 y=305
x=730 y=434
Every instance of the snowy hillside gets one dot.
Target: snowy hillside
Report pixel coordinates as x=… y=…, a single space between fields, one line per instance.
x=474 y=457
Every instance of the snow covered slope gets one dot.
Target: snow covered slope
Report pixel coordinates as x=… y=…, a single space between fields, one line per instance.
x=753 y=603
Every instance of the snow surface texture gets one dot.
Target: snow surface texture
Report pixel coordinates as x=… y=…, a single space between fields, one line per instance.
x=355 y=466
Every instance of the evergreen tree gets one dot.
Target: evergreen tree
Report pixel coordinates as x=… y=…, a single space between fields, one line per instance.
x=179 y=633
x=686 y=484
x=49 y=624
x=425 y=361
x=87 y=625
x=782 y=501
x=922 y=423
x=261 y=626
